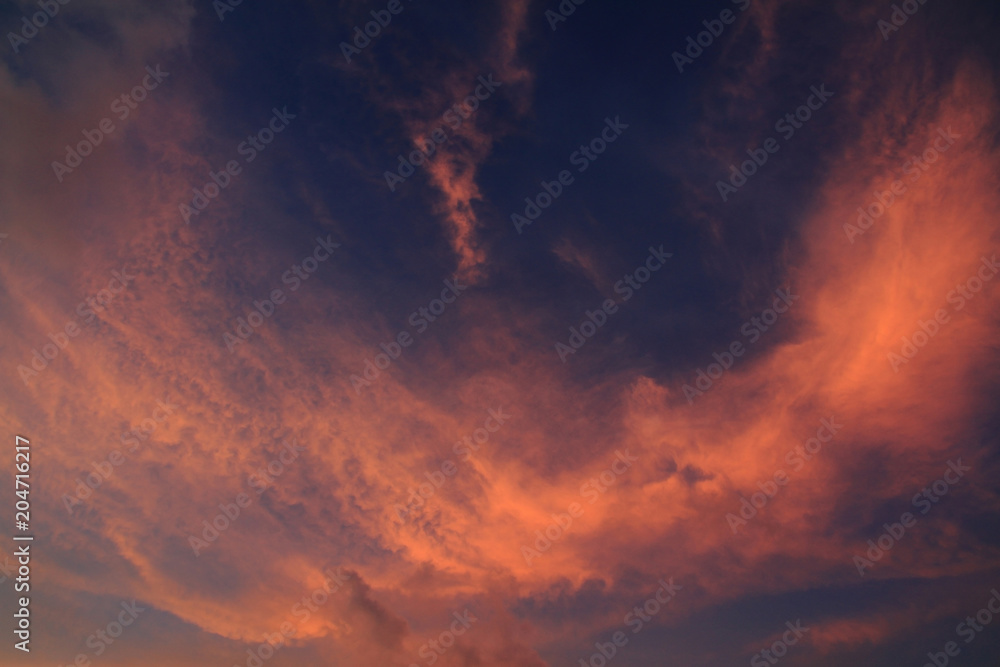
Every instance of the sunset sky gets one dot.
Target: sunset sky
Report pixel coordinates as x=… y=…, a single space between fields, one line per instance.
x=502 y=333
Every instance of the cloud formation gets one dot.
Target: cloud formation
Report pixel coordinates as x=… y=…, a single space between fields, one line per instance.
x=546 y=499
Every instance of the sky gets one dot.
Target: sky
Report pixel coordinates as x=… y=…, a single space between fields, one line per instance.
x=473 y=334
